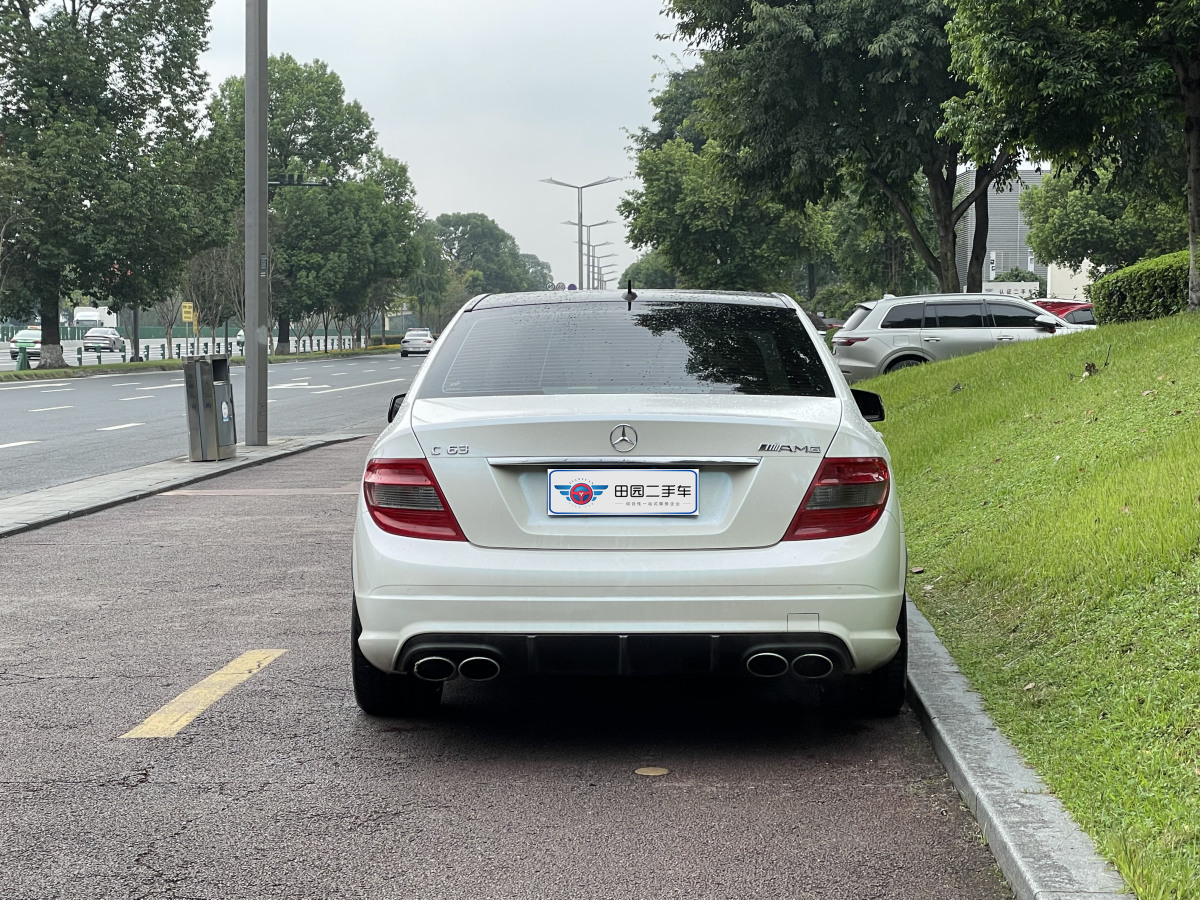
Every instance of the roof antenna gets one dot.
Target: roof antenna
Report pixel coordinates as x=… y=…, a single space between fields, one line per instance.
x=629 y=296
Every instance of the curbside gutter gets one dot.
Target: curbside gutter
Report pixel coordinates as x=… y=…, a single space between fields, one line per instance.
x=24 y=512
x=1042 y=853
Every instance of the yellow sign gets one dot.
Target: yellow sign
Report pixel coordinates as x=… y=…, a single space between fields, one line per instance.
x=187 y=313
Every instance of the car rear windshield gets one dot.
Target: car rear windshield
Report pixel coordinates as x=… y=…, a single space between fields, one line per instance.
x=856 y=317
x=607 y=348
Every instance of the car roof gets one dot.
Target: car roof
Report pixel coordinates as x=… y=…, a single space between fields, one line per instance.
x=939 y=298
x=540 y=298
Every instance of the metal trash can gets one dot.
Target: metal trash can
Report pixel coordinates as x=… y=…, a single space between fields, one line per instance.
x=212 y=425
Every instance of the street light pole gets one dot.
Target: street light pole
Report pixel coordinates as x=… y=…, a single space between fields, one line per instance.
x=580 y=188
x=257 y=282
x=589 y=241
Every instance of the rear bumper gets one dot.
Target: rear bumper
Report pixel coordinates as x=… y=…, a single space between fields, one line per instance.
x=856 y=370
x=635 y=606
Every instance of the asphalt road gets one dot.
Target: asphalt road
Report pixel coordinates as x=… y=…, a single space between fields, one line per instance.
x=58 y=432
x=520 y=789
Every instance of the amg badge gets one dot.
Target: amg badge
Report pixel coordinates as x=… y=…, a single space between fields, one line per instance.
x=788 y=448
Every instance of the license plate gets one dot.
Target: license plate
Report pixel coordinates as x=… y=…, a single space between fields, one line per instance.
x=622 y=492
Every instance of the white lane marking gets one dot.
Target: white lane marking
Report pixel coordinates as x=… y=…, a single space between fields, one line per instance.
x=17 y=444
x=57 y=390
x=51 y=408
x=365 y=371
x=119 y=427
x=335 y=374
x=160 y=387
x=301 y=378
x=291 y=385
x=356 y=386
x=29 y=387
x=142 y=397
x=127 y=384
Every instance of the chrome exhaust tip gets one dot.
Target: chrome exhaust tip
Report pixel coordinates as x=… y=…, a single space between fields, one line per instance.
x=434 y=668
x=766 y=665
x=812 y=665
x=479 y=668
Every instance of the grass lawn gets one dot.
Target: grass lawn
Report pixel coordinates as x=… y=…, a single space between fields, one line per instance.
x=1057 y=518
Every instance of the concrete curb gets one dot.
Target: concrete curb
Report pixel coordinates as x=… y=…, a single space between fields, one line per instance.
x=1041 y=851
x=24 y=512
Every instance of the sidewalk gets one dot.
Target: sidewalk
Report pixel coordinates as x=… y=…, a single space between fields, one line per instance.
x=23 y=512
x=1040 y=851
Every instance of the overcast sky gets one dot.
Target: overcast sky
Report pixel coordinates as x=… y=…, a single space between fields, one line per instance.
x=484 y=97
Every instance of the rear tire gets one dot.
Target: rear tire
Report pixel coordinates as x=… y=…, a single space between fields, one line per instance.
x=404 y=353
x=881 y=693
x=388 y=694
x=906 y=363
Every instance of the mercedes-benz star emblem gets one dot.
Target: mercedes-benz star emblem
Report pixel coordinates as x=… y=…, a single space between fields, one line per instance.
x=623 y=438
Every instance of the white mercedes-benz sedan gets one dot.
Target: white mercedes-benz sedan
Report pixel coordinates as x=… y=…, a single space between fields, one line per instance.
x=588 y=483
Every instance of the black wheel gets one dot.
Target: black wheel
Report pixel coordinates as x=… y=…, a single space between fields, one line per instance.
x=881 y=693
x=904 y=364
x=385 y=693
x=404 y=353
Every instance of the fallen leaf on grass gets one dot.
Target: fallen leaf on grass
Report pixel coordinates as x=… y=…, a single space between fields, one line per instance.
x=1178 y=412
x=1149 y=393
x=1126 y=510
x=917 y=570
x=927 y=588
x=1030 y=686
x=1057 y=458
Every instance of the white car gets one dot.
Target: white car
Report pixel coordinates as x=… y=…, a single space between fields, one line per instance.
x=587 y=483
x=103 y=339
x=416 y=340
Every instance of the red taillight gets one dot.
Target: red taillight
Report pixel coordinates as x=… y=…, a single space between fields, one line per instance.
x=847 y=341
x=403 y=498
x=847 y=496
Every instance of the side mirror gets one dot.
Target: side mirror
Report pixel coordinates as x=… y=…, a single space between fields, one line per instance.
x=1047 y=323
x=869 y=404
x=396 y=403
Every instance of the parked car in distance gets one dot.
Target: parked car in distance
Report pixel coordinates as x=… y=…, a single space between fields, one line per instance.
x=584 y=483
x=896 y=332
x=416 y=340
x=30 y=339
x=103 y=339
x=1077 y=312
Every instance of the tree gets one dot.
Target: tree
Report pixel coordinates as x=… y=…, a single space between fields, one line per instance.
x=474 y=242
x=808 y=99
x=1079 y=82
x=871 y=250
x=649 y=271
x=706 y=228
x=1072 y=223
x=312 y=131
x=100 y=103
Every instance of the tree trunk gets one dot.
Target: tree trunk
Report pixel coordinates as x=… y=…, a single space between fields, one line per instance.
x=941 y=196
x=1189 y=83
x=979 y=239
x=285 y=335
x=52 y=351
x=812 y=282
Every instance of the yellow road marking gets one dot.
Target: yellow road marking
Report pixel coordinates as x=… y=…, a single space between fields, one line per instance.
x=180 y=712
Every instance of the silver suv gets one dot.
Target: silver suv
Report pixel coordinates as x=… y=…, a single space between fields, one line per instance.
x=897 y=332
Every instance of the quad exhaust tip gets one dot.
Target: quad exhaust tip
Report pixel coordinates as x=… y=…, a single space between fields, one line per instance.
x=767 y=665
x=434 y=668
x=812 y=665
x=479 y=668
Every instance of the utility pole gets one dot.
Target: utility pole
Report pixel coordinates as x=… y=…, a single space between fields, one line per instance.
x=257 y=281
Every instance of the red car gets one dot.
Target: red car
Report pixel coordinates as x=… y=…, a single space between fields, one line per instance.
x=1074 y=311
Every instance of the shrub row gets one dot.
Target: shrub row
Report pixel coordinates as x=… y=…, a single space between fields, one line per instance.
x=1150 y=289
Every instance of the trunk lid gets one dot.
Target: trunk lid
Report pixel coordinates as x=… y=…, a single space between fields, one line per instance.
x=755 y=456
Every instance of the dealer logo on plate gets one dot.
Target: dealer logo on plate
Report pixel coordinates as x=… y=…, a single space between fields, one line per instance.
x=581 y=493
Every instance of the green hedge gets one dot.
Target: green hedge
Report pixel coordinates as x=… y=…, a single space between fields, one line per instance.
x=1150 y=289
